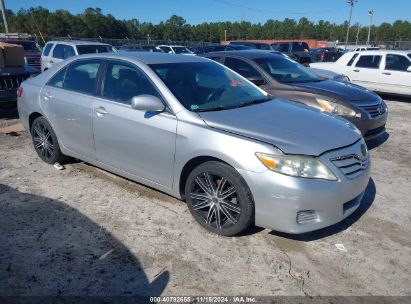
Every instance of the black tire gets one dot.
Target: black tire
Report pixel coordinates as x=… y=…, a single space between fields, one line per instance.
x=45 y=141
x=235 y=212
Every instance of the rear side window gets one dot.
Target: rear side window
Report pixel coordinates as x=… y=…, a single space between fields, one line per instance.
x=91 y=49
x=241 y=67
x=58 y=51
x=397 y=62
x=68 y=51
x=47 y=49
x=81 y=76
x=352 y=59
x=369 y=61
x=58 y=79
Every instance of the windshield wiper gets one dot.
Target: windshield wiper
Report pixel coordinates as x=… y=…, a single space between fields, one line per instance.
x=244 y=104
x=252 y=102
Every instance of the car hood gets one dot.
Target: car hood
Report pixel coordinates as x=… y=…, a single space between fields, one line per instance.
x=294 y=128
x=344 y=91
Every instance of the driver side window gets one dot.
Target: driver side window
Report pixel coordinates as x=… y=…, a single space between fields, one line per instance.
x=122 y=82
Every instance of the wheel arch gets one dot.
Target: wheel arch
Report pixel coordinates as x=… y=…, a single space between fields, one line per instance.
x=32 y=117
x=190 y=166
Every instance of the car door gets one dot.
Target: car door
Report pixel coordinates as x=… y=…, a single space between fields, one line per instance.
x=137 y=142
x=395 y=78
x=366 y=71
x=67 y=100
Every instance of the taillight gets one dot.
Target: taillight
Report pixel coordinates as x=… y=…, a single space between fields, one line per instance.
x=20 y=92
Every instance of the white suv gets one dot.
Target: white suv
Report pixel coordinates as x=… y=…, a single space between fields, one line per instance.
x=57 y=51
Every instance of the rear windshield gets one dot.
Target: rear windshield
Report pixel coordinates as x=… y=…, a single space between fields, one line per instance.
x=89 y=49
x=286 y=70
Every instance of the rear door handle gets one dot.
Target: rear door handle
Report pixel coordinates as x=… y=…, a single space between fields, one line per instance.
x=356 y=70
x=386 y=73
x=101 y=111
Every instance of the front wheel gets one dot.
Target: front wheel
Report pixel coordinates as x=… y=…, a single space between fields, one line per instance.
x=45 y=141
x=219 y=199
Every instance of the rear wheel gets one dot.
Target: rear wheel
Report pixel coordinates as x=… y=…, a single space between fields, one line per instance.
x=219 y=199
x=45 y=141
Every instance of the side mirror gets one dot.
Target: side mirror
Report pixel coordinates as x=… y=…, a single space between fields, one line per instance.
x=257 y=80
x=409 y=69
x=147 y=103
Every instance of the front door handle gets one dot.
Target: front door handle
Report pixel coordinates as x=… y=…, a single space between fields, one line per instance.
x=101 y=111
x=386 y=73
x=356 y=70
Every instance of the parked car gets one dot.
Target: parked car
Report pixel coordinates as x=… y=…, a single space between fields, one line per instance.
x=138 y=48
x=32 y=52
x=253 y=44
x=175 y=49
x=282 y=77
x=202 y=133
x=221 y=48
x=57 y=51
x=381 y=71
x=328 y=54
x=299 y=51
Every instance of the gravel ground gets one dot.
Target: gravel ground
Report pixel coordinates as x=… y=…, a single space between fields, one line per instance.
x=83 y=231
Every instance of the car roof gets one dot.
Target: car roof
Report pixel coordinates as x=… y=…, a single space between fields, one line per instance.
x=77 y=42
x=380 y=52
x=253 y=42
x=144 y=57
x=250 y=54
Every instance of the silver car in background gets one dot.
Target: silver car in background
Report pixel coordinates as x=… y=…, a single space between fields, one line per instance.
x=196 y=130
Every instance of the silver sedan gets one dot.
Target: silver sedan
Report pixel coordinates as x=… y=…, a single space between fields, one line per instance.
x=198 y=131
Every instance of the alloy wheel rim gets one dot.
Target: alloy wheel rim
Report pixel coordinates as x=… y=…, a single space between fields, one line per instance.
x=43 y=141
x=215 y=200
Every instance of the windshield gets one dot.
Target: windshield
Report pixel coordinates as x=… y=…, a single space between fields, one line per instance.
x=409 y=55
x=286 y=70
x=207 y=86
x=89 y=49
x=181 y=50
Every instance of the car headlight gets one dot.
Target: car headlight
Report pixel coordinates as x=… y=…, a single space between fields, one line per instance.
x=297 y=165
x=335 y=108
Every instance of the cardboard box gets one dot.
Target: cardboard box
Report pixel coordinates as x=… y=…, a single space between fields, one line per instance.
x=13 y=55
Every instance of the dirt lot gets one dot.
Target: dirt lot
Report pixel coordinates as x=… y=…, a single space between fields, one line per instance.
x=83 y=231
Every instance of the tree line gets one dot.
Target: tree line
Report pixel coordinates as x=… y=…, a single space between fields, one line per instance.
x=93 y=23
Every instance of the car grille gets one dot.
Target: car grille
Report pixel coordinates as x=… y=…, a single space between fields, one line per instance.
x=11 y=82
x=351 y=165
x=374 y=110
x=33 y=61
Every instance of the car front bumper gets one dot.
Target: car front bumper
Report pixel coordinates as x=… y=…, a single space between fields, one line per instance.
x=370 y=127
x=280 y=200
